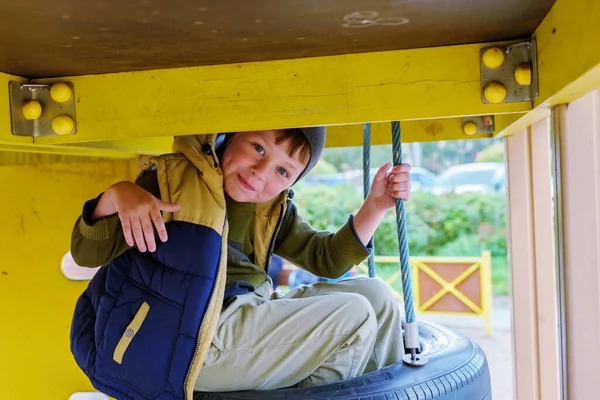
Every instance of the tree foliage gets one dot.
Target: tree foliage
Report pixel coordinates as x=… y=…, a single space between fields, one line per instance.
x=450 y=225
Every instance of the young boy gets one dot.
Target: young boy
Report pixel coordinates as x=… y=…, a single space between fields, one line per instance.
x=185 y=305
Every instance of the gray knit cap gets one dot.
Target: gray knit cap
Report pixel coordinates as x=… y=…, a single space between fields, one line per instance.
x=316 y=140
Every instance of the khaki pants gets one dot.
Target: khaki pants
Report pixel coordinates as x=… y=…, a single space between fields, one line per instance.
x=314 y=334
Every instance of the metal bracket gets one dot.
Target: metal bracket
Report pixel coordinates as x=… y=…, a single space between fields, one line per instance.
x=478 y=125
x=49 y=102
x=509 y=73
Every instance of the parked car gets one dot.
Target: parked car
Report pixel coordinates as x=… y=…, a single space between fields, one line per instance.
x=422 y=180
x=488 y=177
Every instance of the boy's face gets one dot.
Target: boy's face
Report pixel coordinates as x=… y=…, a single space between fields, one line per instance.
x=256 y=169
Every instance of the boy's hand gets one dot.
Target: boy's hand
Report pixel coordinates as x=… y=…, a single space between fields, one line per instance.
x=389 y=185
x=138 y=209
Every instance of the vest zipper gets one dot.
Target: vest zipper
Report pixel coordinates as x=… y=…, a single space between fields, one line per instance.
x=273 y=238
x=216 y=285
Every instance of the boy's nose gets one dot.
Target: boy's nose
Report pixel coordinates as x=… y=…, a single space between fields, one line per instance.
x=260 y=170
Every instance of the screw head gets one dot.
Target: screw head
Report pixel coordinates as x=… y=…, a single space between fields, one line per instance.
x=63 y=125
x=32 y=109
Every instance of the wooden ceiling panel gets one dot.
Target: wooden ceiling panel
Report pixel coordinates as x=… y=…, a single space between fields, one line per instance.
x=68 y=37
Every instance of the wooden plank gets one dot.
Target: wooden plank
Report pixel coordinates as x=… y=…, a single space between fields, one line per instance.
x=570 y=32
x=398 y=85
x=90 y=37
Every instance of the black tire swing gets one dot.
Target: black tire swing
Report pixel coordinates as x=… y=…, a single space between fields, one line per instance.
x=439 y=363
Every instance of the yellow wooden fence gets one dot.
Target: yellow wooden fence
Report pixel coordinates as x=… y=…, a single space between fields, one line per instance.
x=448 y=285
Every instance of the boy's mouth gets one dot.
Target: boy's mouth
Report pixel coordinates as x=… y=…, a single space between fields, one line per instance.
x=245 y=183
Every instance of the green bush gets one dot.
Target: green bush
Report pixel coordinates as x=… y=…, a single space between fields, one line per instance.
x=327 y=207
x=450 y=225
x=324 y=168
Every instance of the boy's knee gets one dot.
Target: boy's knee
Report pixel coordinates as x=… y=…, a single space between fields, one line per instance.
x=358 y=312
x=380 y=295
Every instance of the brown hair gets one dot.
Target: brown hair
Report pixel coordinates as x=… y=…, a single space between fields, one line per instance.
x=297 y=143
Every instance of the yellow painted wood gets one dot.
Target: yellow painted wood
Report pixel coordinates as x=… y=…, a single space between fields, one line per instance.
x=5 y=127
x=151 y=146
x=568 y=58
x=482 y=263
x=450 y=287
x=337 y=136
x=12 y=153
x=394 y=85
x=63 y=150
x=416 y=280
x=570 y=33
x=25 y=158
x=428 y=130
x=502 y=121
x=486 y=289
x=40 y=205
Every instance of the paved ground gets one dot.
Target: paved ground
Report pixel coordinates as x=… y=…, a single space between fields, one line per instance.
x=497 y=347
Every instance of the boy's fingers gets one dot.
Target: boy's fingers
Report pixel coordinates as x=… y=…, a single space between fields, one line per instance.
x=399 y=177
x=168 y=207
x=160 y=224
x=136 y=227
x=382 y=171
x=400 y=187
x=148 y=233
x=126 y=225
x=401 y=168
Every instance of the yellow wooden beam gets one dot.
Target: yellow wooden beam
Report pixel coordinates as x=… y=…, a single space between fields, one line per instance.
x=146 y=146
x=394 y=85
x=5 y=126
x=64 y=150
x=9 y=158
x=102 y=149
x=117 y=149
x=502 y=121
x=568 y=58
x=337 y=136
x=429 y=130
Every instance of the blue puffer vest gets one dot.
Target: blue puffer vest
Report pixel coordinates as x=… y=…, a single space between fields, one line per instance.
x=142 y=328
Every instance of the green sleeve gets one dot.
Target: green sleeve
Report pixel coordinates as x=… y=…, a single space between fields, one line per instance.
x=97 y=243
x=325 y=254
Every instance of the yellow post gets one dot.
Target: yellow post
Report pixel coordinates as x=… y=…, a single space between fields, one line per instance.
x=414 y=269
x=486 y=289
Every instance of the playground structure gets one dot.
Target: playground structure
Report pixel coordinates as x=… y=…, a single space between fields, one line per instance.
x=140 y=74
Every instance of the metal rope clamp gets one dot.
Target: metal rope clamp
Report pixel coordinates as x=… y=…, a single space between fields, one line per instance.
x=411 y=335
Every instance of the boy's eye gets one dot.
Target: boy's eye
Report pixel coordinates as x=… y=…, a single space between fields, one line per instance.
x=259 y=148
x=282 y=171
